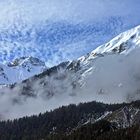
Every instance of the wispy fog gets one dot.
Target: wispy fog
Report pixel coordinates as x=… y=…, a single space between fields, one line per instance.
x=114 y=79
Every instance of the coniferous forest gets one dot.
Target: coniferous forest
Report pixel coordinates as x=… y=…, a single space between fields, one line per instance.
x=69 y=123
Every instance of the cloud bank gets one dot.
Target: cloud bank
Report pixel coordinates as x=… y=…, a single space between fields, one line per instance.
x=113 y=79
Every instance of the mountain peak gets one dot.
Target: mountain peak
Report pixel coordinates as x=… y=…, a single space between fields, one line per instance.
x=121 y=44
x=22 y=61
x=23 y=68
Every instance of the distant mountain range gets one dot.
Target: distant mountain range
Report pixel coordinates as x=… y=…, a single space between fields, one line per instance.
x=20 y=69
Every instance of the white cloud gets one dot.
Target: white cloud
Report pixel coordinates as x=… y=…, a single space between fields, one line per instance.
x=69 y=9
x=114 y=79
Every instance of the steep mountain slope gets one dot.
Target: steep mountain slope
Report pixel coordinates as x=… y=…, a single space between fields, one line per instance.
x=122 y=44
x=20 y=69
x=124 y=117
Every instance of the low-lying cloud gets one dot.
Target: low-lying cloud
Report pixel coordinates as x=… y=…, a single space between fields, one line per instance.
x=113 y=79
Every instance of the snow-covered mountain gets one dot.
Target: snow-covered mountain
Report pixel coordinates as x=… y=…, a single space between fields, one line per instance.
x=123 y=43
x=20 y=69
x=109 y=74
